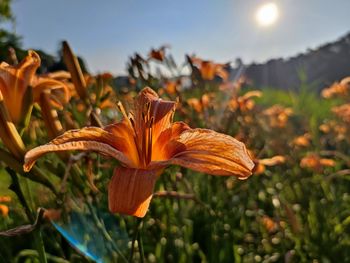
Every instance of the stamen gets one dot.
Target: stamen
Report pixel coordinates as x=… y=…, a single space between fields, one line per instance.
x=149 y=150
x=148 y=106
x=122 y=110
x=131 y=118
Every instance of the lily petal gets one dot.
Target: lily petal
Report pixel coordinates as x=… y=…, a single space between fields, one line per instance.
x=130 y=191
x=86 y=139
x=123 y=139
x=162 y=112
x=209 y=152
x=40 y=84
x=159 y=151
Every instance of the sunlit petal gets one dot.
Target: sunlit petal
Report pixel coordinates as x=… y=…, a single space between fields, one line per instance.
x=210 y=152
x=160 y=151
x=86 y=139
x=40 y=84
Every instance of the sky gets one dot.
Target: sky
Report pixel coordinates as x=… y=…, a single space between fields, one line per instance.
x=105 y=33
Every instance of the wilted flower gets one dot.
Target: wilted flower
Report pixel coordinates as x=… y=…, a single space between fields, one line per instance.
x=145 y=143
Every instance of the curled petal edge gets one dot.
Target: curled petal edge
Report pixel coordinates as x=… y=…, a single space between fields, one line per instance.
x=32 y=155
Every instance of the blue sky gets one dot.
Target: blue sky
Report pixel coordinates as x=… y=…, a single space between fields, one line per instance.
x=106 y=32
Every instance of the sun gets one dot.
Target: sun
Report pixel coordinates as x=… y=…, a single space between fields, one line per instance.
x=267 y=14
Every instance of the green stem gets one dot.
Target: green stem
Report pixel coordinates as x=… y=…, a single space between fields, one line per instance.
x=100 y=224
x=35 y=174
x=139 y=242
x=16 y=187
x=135 y=237
x=40 y=246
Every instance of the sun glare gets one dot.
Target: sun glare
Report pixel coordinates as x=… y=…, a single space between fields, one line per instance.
x=267 y=14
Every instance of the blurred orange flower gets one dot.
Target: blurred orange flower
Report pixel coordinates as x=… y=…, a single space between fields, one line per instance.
x=209 y=69
x=278 y=115
x=343 y=112
x=260 y=164
x=158 y=54
x=245 y=102
x=4 y=209
x=5 y=199
x=171 y=87
x=341 y=88
x=325 y=127
x=270 y=225
x=303 y=140
x=315 y=162
x=199 y=104
x=145 y=143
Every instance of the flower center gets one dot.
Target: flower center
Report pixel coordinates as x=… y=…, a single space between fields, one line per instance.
x=142 y=133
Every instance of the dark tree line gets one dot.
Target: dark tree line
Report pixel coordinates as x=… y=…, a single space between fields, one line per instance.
x=322 y=66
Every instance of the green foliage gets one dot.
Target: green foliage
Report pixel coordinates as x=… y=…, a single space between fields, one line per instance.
x=5 y=10
x=285 y=213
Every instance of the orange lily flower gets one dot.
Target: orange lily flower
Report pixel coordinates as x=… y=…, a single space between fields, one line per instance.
x=145 y=143
x=59 y=92
x=16 y=80
x=14 y=83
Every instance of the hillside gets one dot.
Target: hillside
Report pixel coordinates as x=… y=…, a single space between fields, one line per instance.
x=322 y=66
